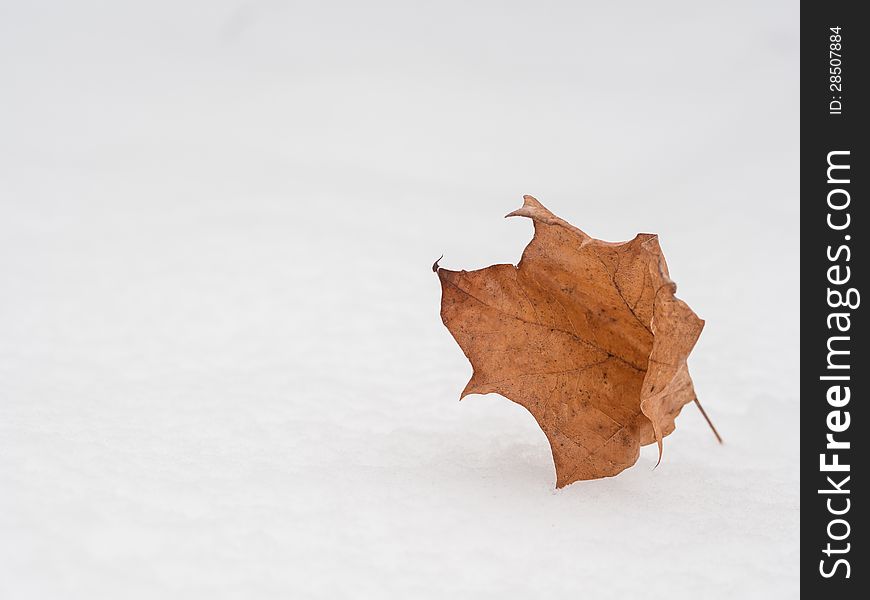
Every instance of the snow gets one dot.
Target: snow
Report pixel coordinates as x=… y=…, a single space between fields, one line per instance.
x=222 y=370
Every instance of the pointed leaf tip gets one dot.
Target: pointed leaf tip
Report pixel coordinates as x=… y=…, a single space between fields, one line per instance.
x=530 y=204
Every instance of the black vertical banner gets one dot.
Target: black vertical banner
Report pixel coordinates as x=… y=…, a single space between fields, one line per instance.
x=835 y=370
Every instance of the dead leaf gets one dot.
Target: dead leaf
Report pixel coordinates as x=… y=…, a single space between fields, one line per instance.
x=585 y=334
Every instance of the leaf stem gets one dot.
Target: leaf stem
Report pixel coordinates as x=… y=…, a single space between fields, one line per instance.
x=709 y=422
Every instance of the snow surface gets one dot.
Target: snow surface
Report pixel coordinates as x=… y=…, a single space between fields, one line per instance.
x=222 y=370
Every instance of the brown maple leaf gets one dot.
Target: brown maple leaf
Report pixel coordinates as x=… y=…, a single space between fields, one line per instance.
x=587 y=335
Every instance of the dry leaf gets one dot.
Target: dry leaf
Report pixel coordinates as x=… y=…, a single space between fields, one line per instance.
x=587 y=335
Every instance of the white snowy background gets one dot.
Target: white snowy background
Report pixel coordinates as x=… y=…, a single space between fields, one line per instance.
x=222 y=369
